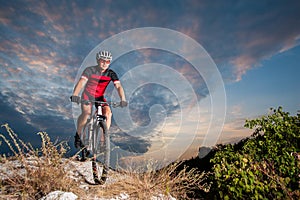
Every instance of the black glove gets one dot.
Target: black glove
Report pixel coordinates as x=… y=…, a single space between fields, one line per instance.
x=123 y=104
x=75 y=99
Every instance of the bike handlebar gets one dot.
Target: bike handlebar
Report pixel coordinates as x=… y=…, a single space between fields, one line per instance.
x=113 y=104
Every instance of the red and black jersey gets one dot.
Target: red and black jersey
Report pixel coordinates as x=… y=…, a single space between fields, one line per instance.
x=97 y=81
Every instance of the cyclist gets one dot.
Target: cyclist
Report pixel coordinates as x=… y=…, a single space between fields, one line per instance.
x=94 y=81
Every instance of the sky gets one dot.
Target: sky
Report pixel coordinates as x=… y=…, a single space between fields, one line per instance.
x=250 y=52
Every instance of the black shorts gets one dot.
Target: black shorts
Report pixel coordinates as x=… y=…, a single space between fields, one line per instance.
x=87 y=96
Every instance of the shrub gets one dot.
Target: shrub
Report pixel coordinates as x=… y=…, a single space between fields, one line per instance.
x=264 y=166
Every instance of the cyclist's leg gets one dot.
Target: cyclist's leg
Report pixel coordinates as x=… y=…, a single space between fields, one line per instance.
x=83 y=117
x=86 y=110
x=106 y=111
x=81 y=121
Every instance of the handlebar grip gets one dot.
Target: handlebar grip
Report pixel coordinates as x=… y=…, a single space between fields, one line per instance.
x=115 y=104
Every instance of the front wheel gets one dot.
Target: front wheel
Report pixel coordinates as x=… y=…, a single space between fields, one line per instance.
x=103 y=148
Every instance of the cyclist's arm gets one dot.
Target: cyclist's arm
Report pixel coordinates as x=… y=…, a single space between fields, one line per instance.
x=120 y=91
x=80 y=84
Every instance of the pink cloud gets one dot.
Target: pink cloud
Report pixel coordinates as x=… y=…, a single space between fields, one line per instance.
x=241 y=65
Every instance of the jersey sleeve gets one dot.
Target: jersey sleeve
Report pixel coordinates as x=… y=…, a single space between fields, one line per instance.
x=114 y=77
x=86 y=73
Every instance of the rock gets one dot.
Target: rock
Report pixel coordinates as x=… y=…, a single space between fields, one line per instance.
x=203 y=151
x=59 y=195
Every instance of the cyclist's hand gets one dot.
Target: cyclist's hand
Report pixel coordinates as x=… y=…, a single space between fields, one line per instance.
x=75 y=99
x=123 y=104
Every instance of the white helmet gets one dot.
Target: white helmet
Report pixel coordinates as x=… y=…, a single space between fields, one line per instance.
x=105 y=55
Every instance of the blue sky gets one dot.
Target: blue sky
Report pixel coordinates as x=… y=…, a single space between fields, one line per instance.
x=254 y=44
x=273 y=83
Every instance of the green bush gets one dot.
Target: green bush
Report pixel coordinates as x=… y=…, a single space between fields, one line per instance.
x=264 y=166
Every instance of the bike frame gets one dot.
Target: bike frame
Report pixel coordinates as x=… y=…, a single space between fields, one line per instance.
x=95 y=126
x=98 y=120
x=94 y=122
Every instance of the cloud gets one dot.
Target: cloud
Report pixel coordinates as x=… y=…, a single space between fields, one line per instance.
x=226 y=35
x=241 y=35
x=42 y=48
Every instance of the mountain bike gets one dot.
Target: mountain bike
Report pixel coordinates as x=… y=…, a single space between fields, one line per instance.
x=96 y=140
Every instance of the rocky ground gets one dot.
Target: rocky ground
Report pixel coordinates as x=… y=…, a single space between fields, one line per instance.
x=81 y=172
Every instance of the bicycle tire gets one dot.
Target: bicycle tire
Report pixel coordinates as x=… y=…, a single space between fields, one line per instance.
x=103 y=149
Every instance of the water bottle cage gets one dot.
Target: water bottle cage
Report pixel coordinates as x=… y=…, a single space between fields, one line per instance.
x=101 y=118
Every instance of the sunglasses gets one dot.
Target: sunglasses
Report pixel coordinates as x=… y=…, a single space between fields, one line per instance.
x=104 y=61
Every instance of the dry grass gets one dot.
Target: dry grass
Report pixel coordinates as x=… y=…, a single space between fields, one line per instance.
x=170 y=180
x=38 y=172
x=45 y=171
